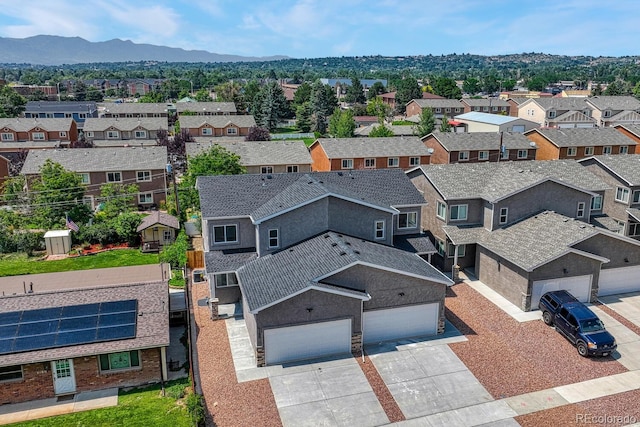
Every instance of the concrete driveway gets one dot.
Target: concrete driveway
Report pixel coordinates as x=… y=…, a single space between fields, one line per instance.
x=628 y=305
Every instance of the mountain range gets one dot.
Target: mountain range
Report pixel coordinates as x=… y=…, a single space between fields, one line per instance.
x=56 y=50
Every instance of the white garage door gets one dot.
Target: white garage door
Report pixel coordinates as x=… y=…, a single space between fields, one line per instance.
x=619 y=280
x=578 y=286
x=307 y=341
x=400 y=322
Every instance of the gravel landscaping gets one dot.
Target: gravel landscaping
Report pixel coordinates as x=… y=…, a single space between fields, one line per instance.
x=511 y=358
x=381 y=390
x=229 y=402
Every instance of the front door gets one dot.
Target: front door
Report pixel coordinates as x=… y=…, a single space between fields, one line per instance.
x=64 y=380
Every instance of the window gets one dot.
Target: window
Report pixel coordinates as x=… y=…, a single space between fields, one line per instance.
x=266 y=169
x=440 y=247
x=63 y=134
x=114 y=176
x=441 y=210
x=11 y=373
x=438 y=110
x=292 y=168
x=225 y=234
x=462 y=249
x=624 y=149
x=88 y=200
x=463 y=156
x=145 y=198
x=606 y=149
x=224 y=280
x=588 y=151
x=414 y=161
x=552 y=114
x=370 y=163
x=140 y=134
x=407 y=220
x=37 y=136
x=347 y=163
x=206 y=131
x=113 y=134
x=483 y=155
x=143 y=176
x=504 y=154
x=89 y=134
x=622 y=195
x=636 y=196
x=606 y=113
x=274 y=238
x=85 y=178
x=457 y=109
x=580 y=211
x=7 y=136
x=572 y=151
x=494 y=108
x=504 y=216
x=232 y=131
x=634 y=229
x=458 y=213
x=523 y=154
x=119 y=361
x=379 y=226
x=82 y=115
x=393 y=162
x=167 y=235
x=596 y=203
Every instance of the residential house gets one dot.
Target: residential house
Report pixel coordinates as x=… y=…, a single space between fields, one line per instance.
x=132 y=110
x=205 y=108
x=614 y=110
x=450 y=147
x=579 y=143
x=389 y=99
x=486 y=105
x=523 y=229
x=60 y=131
x=440 y=107
x=312 y=258
x=143 y=86
x=215 y=126
x=262 y=156
x=575 y=93
x=622 y=203
x=79 y=111
x=117 y=131
x=144 y=167
x=368 y=153
x=341 y=84
x=485 y=122
x=111 y=329
x=157 y=230
x=398 y=130
x=557 y=112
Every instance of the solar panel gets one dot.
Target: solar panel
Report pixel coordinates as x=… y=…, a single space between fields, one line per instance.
x=52 y=327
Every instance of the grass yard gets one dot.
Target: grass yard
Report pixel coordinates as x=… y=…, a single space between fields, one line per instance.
x=138 y=407
x=403 y=123
x=16 y=264
x=177 y=279
x=308 y=141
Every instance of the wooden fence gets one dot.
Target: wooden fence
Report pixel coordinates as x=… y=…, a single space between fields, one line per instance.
x=195 y=259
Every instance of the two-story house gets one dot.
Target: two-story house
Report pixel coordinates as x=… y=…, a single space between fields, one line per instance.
x=117 y=131
x=368 y=153
x=205 y=108
x=515 y=225
x=79 y=111
x=579 y=143
x=486 y=105
x=312 y=258
x=61 y=131
x=133 y=110
x=144 y=167
x=440 y=107
x=450 y=147
x=557 y=112
x=217 y=125
x=614 y=110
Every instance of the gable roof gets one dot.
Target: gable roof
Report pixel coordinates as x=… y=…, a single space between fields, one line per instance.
x=134 y=108
x=98 y=159
x=273 y=278
x=485 y=102
x=346 y=148
x=581 y=137
x=573 y=116
x=437 y=103
x=559 y=103
x=492 y=181
x=157 y=217
x=457 y=141
x=259 y=196
x=259 y=153
x=204 y=107
x=614 y=102
x=21 y=124
x=92 y=124
x=625 y=116
x=61 y=106
x=494 y=119
x=624 y=166
x=193 y=122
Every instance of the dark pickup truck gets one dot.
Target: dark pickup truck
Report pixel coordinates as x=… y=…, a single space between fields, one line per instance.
x=577 y=323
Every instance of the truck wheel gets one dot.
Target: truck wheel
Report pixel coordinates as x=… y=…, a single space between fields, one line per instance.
x=547 y=318
x=582 y=349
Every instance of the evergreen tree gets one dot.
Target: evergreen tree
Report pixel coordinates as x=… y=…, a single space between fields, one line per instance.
x=444 y=125
x=355 y=92
x=407 y=89
x=270 y=106
x=323 y=101
x=303 y=117
x=341 y=124
x=380 y=131
x=12 y=104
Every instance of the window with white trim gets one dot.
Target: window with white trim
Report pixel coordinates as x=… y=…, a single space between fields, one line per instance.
x=462 y=250
x=5 y=136
x=523 y=154
x=636 y=196
x=274 y=238
x=379 y=229
x=167 y=235
x=504 y=216
x=441 y=210
x=596 y=203
x=580 y=210
x=11 y=373
x=114 y=176
x=89 y=134
x=440 y=247
x=483 y=155
x=143 y=176
x=458 y=213
x=463 y=156
x=347 y=163
x=113 y=134
x=606 y=149
x=572 y=151
x=606 y=113
x=292 y=168
x=37 y=136
x=224 y=280
x=145 y=198
x=370 y=163
x=414 y=161
x=552 y=114
x=634 y=229
x=266 y=169
x=622 y=195
x=206 y=131
x=225 y=234
x=624 y=149
x=140 y=134
x=119 y=361
x=63 y=134
x=393 y=162
x=85 y=178
x=232 y=131
x=588 y=151
x=407 y=220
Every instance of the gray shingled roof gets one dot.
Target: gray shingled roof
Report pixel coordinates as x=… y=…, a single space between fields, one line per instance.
x=275 y=277
x=580 y=137
x=260 y=153
x=193 y=122
x=634 y=129
x=625 y=116
x=573 y=116
x=438 y=103
x=21 y=124
x=625 y=166
x=417 y=243
x=125 y=124
x=99 y=159
x=398 y=130
x=62 y=106
x=453 y=141
x=348 y=148
x=134 y=107
x=203 y=107
x=494 y=180
x=561 y=103
x=259 y=195
x=614 y=102
x=465 y=234
x=158 y=217
x=634 y=212
x=485 y=102
x=225 y=261
x=538 y=239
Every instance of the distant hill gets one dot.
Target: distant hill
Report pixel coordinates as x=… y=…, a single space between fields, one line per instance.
x=56 y=50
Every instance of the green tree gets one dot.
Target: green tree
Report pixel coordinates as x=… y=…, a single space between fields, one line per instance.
x=537 y=83
x=94 y=94
x=377 y=108
x=490 y=84
x=380 y=131
x=115 y=199
x=341 y=124
x=126 y=226
x=152 y=97
x=302 y=94
x=471 y=86
x=407 y=89
x=508 y=85
x=444 y=124
x=80 y=91
x=447 y=88
x=376 y=89
x=227 y=91
x=12 y=104
x=618 y=88
x=427 y=123
x=323 y=102
x=303 y=117
x=202 y=95
x=270 y=106
x=175 y=254
x=355 y=92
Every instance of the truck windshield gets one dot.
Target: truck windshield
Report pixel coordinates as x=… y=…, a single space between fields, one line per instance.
x=591 y=325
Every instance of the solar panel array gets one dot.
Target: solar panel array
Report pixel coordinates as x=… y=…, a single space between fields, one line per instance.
x=53 y=327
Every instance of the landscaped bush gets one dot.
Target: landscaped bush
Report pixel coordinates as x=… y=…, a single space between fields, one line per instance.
x=176 y=253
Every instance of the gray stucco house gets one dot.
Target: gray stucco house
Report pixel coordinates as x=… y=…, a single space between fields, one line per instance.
x=321 y=262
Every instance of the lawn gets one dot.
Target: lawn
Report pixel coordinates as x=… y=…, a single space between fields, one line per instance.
x=403 y=123
x=138 y=407
x=16 y=264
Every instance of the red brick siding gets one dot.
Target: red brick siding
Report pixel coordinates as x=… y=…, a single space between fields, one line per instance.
x=320 y=161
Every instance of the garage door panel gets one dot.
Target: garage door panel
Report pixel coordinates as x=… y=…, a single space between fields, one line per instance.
x=307 y=341
x=578 y=286
x=619 y=280
x=400 y=322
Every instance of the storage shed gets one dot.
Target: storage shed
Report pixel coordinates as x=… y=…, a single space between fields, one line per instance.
x=57 y=242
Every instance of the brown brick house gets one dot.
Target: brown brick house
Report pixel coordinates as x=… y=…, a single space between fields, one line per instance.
x=216 y=126
x=62 y=131
x=579 y=143
x=450 y=147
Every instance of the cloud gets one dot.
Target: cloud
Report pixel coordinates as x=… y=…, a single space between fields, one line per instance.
x=43 y=17
x=146 y=23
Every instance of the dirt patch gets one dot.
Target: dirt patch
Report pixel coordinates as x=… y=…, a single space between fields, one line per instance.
x=389 y=404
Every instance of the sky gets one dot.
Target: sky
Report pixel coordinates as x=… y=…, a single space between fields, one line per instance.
x=329 y=28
